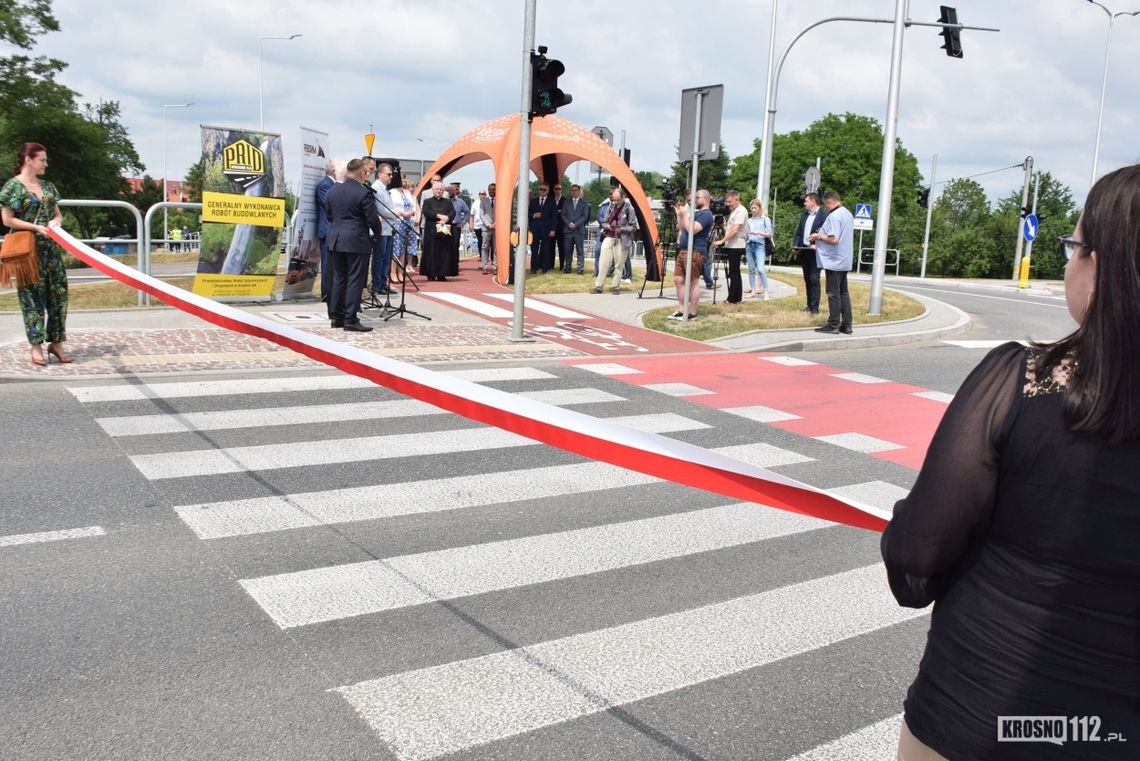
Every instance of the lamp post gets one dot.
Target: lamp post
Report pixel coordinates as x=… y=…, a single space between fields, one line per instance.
x=1104 y=81
x=165 y=218
x=261 y=76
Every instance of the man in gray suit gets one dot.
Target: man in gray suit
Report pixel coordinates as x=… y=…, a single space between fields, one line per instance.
x=350 y=210
x=575 y=217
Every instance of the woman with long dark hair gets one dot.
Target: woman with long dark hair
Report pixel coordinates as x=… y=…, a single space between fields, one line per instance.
x=28 y=202
x=1023 y=527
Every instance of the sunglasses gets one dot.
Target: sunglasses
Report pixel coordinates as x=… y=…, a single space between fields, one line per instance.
x=1067 y=246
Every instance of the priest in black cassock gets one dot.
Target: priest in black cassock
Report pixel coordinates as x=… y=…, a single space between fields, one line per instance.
x=438 y=211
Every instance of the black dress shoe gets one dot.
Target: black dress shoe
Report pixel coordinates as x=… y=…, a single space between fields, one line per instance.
x=356 y=327
x=336 y=324
x=846 y=331
x=824 y=329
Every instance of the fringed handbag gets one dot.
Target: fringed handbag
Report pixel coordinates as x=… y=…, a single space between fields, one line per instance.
x=19 y=260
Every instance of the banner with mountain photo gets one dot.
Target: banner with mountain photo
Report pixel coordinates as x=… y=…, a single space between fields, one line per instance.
x=243 y=214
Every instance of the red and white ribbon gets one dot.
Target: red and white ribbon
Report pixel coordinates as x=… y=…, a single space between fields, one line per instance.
x=591 y=437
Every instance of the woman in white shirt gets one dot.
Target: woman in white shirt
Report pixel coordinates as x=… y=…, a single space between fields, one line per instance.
x=759 y=230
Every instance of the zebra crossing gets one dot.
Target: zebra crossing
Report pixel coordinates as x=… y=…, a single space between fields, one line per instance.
x=469 y=593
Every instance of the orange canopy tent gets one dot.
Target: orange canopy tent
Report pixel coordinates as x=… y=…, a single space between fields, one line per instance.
x=555 y=144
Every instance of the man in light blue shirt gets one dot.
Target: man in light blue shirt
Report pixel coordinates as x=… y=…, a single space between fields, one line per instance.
x=833 y=245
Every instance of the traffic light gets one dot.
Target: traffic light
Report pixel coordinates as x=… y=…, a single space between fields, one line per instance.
x=923 y=197
x=1026 y=211
x=952 y=37
x=625 y=156
x=545 y=97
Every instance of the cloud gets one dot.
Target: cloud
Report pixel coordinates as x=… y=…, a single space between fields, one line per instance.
x=423 y=72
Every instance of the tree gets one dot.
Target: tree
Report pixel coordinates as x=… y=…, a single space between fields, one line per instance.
x=711 y=173
x=963 y=204
x=89 y=150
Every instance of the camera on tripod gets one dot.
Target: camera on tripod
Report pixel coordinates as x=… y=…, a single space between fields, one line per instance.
x=718 y=206
x=668 y=192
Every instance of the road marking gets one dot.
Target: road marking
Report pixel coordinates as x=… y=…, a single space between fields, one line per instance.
x=609 y=368
x=493 y=374
x=205 y=462
x=541 y=306
x=143 y=425
x=878 y=494
x=217 y=520
x=859 y=378
x=120 y=393
x=307 y=597
x=874 y=742
x=859 y=442
x=51 y=536
x=474 y=305
x=1024 y=300
x=677 y=389
x=761 y=414
x=789 y=361
x=935 y=396
x=443 y=709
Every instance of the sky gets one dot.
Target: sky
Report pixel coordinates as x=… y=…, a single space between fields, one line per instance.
x=421 y=73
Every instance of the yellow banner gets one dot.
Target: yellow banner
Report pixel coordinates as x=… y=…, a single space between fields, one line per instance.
x=233 y=209
x=233 y=286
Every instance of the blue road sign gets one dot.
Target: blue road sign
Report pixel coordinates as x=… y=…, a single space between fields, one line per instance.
x=863 y=211
x=1029 y=228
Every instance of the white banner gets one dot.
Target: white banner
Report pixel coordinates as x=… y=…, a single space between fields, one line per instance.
x=305 y=262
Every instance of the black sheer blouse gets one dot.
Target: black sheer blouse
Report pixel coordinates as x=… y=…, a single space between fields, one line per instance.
x=1026 y=537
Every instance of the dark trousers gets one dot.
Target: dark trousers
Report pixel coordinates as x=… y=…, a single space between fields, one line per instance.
x=838 y=301
x=479 y=239
x=326 y=271
x=735 y=287
x=542 y=253
x=575 y=240
x=560 y=247
x=349 y=272
x=811 y=279
x=381 y=261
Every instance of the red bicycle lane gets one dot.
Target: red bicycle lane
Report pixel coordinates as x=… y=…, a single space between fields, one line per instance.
x=478 y=294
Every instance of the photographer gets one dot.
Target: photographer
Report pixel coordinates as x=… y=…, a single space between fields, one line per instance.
x=699 y=227
x=734 y=241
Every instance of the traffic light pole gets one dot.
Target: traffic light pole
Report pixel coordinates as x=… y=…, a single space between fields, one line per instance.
x=929 y=209
x=521 y=220
x=1024 y=202
x=887 y=175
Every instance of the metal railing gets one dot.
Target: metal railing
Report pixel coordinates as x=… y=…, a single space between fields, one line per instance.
x=144 y=299
x=871 y=260
x=147 y=241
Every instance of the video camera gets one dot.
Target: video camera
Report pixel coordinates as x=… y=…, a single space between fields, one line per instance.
x=668 y=192
x=718 y=207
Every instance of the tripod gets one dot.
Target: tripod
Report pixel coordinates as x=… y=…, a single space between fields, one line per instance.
x=391 y=311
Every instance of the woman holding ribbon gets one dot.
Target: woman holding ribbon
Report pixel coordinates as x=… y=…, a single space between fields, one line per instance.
x=28 y=202
x=1023 y=525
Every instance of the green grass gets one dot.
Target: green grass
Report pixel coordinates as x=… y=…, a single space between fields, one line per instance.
x=721 y=319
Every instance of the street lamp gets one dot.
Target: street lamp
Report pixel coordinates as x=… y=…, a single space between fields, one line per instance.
x=1104 y=80
x=165 y=219
x=261 y=75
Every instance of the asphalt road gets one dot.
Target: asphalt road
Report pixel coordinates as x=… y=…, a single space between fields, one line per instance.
x=295 y=566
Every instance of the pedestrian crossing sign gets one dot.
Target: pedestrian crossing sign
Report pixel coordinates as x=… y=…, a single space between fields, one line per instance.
x=863 y=211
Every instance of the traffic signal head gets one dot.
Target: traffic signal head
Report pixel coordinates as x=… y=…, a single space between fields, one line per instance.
x=545 y=97
x=952 y=37
x=923 y=197
x=1026 y=211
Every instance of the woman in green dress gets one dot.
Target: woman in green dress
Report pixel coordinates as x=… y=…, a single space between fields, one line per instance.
x=28 y=202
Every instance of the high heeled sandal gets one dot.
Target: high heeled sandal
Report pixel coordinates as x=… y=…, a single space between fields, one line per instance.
x=64 y=359
x=38 y=360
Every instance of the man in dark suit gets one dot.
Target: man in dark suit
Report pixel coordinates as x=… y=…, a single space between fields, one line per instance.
x=810 y=222
x=543 y=220
x=559 y=230
x=323 y=227
x=350 y=210
x=575 y=217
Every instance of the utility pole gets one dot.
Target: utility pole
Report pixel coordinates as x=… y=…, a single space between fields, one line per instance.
x=524 y=175
x=887 y=178
x=929 y=209
x=1024 y=203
